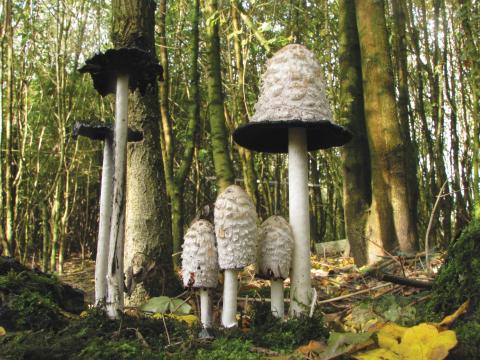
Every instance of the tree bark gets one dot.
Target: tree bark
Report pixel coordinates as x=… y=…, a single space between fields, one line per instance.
x=218 y=132
x=147 y=225
x=390 y=219
x=357 y=193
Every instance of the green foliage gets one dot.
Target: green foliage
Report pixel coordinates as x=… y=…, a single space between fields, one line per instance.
x=457 y=281
x=270 y=332
x=386 y=308
x=30 y=311
x=165 y=304
x=227 y=349
x=459 y=278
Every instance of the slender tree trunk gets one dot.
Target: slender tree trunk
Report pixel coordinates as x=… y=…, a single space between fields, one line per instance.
x=399 y=24
x=9 y=242
x=147 y=224
x=390 y=217
x=218 y=132
x=357 y=194
x=246 y=156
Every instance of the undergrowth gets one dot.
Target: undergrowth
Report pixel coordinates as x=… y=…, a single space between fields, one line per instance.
x=459 y=280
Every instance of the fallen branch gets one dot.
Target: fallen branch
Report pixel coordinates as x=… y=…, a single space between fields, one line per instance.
x=404 y=281
x=353 y=294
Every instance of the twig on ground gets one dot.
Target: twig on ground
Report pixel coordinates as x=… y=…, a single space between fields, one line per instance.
x=166 y=330
x=429 y=227
x=346 y=296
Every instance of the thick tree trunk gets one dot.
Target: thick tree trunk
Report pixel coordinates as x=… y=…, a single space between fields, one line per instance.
x=147 y=226
x=218 y=132
x=390 y=219
x=357 y=194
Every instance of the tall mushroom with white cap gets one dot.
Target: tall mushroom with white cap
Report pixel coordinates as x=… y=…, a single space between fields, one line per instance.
x=275 y=247
x=114 y=72
x=237 y=234
x=200 y=265
x=293 y=116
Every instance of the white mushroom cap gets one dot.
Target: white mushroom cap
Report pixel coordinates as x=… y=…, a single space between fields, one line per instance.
x=292 y=88
x=275 y=248
x=236 y=228
x=199 y=256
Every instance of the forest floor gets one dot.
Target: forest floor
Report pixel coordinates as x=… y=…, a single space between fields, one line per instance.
x=379 y=312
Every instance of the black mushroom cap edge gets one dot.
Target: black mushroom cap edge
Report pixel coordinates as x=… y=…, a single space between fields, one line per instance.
x=272 y=136
x=141 y=66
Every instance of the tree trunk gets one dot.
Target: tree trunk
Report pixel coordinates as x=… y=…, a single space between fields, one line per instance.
x=390 y=219
x=218 y=132
x=9 y=242
x=399 y=24
x=357 y=192
x=147 y=225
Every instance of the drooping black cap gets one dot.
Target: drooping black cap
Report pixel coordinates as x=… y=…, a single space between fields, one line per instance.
x=102 y=131
x=141 y=66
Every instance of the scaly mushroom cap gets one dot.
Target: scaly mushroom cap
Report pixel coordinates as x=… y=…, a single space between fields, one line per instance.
x=292 y=95
x=274 y=249
x=236 y=228
x=199 y=256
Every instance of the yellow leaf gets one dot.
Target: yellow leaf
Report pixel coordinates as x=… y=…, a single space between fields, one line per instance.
x=450 y=319
x=3 y=332
x=189 y=319
x=377 y=354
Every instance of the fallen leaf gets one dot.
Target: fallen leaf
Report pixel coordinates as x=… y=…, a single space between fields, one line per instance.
x=450 y=319
x=3 y=332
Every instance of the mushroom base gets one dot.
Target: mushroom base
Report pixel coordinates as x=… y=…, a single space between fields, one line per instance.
x=230 y=288
x=277 y=301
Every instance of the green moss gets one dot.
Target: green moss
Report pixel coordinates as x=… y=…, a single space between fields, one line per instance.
x=30 y=311
x=227 y=349
x=457 y=281
x=459 y=278
x=270 y=332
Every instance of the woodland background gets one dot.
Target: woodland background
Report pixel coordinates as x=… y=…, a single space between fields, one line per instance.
x=50 y=182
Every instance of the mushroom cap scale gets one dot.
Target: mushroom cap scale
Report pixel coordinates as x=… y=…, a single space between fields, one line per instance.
x=274 y=249
x=199 y=256
x=292 y=95
x=235 y=228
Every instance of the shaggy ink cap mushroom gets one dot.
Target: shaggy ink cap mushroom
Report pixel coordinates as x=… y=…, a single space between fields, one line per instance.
x=199 y=256
x=235 y=228
x=275 y=249
x=292 y=95
x=237 y=235
x=141 y=66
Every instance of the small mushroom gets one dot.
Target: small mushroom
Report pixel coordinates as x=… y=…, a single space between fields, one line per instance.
x=200 y=265
x=275 y=249
x=237 y=234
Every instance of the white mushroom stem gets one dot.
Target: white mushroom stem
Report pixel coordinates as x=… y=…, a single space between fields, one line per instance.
x=104 y=223
x=205 y=308
x=300 y=292
x=276 y=294
x=230 y=286
x=117 y=230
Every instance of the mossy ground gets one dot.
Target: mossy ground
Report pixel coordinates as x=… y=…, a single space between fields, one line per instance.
x=38 y=327
x=459 y=280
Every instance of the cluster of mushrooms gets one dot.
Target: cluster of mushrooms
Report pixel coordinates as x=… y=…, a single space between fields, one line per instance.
x=292 y=116
x=232 y=243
